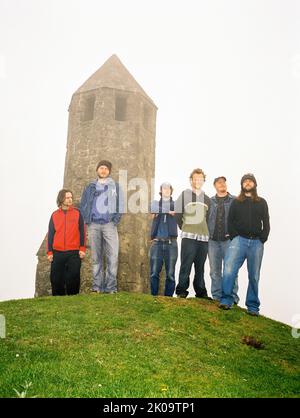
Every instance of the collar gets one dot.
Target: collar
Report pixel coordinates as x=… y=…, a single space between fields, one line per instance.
x=229 y=196
x=70 y=209
x=108 y=179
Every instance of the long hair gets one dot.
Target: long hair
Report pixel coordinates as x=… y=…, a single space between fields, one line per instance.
x=254 y=196
x=61 y=196
x=171 y=188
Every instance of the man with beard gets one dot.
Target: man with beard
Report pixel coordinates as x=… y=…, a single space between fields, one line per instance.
x=219 y=237
x=248 y=227
x=102 y=207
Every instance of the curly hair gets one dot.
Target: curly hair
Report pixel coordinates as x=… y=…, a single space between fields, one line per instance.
x=197 y=171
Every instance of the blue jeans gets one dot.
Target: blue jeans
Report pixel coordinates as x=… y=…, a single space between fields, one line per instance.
x=163 y=253
x=241 y=249
x=216 y=255
x=104 y=242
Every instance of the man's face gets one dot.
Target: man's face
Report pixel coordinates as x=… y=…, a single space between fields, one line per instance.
x=221 y=186
x=103 y=171
x=166 y=192
x=248 y=185
x=68 y=199
x=197 y=181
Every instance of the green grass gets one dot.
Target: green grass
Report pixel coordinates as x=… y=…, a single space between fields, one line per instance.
x=132 y=345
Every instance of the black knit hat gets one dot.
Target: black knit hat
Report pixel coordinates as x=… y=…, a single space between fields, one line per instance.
x=249 y=176
x=106 y=163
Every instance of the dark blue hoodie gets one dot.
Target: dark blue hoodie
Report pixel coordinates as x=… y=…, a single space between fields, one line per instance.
x=162 y=209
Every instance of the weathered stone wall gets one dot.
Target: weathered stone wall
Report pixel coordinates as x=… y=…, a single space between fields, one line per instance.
x=129 y=145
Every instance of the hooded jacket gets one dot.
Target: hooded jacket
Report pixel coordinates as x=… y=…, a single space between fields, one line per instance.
x=162 y=209
x=115 y=201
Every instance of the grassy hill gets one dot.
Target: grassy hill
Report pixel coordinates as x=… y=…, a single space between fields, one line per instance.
x=131 y=345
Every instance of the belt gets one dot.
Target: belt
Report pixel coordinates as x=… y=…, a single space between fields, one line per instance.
x=250 y=236
x=169 y=240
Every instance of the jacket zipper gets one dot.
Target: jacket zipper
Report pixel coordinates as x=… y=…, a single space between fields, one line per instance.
x=65 y=229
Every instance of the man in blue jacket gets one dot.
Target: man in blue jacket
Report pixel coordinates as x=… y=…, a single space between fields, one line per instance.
x=163 y=249
x=101 y=207
x=219 y=237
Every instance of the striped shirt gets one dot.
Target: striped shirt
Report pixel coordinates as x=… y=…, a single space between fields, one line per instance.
x=197 y=237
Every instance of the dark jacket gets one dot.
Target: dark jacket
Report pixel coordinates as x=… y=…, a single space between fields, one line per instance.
x=115 y=200
x=157 y=208
x=212 y=215
x=249 y=219
x=66 y=231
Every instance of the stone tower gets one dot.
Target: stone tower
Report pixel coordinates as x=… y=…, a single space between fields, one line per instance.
x=112 y=118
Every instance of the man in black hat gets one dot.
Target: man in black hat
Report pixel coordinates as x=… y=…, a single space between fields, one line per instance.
x=102 y=207
x=249 y=228
x=218 y=236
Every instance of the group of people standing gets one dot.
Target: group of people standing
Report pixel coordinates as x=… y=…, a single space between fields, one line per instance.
x=227 y=229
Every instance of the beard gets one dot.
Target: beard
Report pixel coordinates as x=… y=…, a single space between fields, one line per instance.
x=252 y=190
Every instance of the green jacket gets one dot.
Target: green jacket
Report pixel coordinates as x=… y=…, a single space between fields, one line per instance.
x=192 y=212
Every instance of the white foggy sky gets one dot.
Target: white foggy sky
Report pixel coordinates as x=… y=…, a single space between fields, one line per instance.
x=225 y=76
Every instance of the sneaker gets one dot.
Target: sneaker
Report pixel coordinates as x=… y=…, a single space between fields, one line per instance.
x=95 y=291
x=111 y=292
x=224 y=307
x=204 y=297
x=252 y=313
x=181 y=295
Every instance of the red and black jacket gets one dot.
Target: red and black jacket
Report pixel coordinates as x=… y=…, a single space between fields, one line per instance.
x=66 y=231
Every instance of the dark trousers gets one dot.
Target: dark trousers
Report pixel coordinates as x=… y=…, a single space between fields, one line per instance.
x=65 y=273
x=192 y=252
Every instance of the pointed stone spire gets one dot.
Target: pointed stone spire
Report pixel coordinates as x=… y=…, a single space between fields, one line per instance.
x=113 y=74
